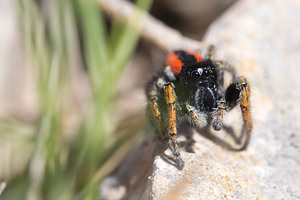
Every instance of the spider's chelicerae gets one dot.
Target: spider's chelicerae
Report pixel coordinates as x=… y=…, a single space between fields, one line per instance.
x=192 y=88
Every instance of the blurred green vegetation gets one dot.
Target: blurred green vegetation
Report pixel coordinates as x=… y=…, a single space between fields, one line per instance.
x=55 y=35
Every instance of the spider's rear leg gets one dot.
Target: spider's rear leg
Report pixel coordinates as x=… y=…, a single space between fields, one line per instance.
x=163 y=83
x=221 y=67
x=153 y=92
x=210 y=52
x=225 y=66
x=237 y=92
x=153 y=103
x=170 y=98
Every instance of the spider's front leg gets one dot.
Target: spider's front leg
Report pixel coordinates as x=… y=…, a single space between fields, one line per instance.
x=243 y=86
x=170 y=98
x=218 y=114
x=237 y=92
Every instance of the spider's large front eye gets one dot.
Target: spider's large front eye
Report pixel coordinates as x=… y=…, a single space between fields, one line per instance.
x=205 y=73
x=195 y=74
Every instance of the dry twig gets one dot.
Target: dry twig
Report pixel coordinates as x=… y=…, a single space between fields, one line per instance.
x=164 y=37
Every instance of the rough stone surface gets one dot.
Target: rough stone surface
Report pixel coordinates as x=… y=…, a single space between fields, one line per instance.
x=262 y=39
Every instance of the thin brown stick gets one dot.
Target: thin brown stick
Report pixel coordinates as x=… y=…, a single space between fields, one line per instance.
x=163 y=36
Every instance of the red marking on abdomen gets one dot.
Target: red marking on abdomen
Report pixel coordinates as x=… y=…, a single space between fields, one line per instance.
x=196 y=55
x=174 y=62
x=177 y=60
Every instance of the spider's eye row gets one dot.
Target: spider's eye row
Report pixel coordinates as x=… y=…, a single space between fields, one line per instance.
x=195 y=74
x=205 y=73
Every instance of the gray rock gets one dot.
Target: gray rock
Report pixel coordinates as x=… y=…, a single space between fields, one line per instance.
x=262 y=39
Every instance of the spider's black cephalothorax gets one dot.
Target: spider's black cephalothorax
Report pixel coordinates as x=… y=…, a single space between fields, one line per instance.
x=197 y=85
x=191 y=88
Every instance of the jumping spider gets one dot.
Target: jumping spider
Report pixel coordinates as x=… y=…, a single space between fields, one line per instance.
x=192 y=88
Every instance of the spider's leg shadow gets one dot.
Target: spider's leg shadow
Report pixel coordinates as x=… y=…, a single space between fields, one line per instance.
x=187 y=131
x=163 y=146
x=241 y=140
x=206 y=132
x=229 y=130
x=170 y=160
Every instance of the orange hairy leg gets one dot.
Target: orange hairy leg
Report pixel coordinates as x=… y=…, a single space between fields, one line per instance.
x=153 y=105
x=243 y=86
x=157 y=116
x=170 y=98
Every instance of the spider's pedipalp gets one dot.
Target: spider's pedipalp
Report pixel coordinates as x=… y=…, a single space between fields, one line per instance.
x=218 y=114
x=199 y=119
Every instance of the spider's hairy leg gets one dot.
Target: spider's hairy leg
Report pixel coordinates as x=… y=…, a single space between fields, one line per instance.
x=225 y=66
x=169 y=73
x=239 y=92
x=243 y=86
x=153 y=104
x=170 y=98
x=162 y=83
x=218 y=114
x=153 y=92
x=221 y=67
x=210 y=52
x=199 y=119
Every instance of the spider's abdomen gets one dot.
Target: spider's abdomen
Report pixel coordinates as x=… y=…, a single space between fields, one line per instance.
x=176 y=59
